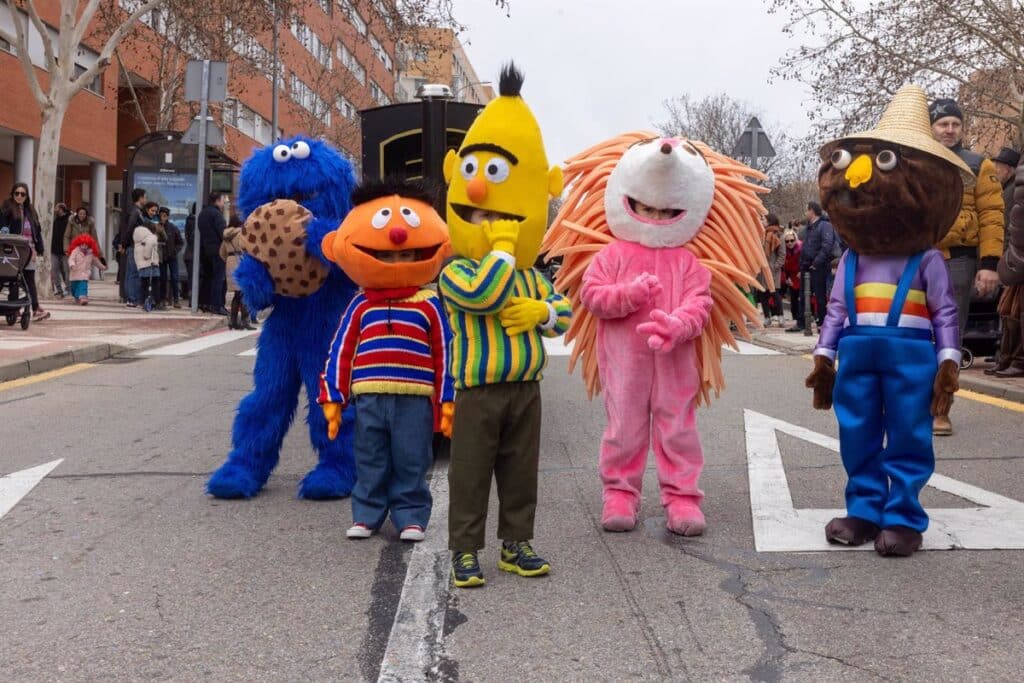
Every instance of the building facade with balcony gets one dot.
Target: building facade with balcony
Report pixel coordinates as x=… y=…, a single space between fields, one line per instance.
x=436 y=56
x=335 y=58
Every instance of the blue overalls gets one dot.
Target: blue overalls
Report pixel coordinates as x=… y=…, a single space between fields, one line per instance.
x=882 y=400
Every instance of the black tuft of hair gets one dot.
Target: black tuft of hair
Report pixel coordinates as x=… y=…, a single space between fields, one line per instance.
x=375 y=188
x=511 y=82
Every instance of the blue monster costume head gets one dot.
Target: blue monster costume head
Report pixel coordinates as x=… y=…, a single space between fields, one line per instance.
x=306 y=170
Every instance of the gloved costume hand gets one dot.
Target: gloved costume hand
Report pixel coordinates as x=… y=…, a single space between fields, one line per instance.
x=332 y=413
x=946 y=384
x=665 y=331
x=823 y=380
x=447 y=419
x=522 y=314
x=503 y=235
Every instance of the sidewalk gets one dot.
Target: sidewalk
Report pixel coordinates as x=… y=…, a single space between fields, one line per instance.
x=88 y=334
x=972 y=379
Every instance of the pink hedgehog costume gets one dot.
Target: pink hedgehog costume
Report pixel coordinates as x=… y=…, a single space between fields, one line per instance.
x=652 y=297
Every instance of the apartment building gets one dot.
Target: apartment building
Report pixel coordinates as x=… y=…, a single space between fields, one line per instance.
x=336 y=57
x=436 y=56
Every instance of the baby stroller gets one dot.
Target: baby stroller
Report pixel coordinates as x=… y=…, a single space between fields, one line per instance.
x=981 y=338
x=15 y=254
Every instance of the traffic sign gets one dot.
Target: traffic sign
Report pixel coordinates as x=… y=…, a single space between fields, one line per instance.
x=217 y=89
x=753 y=143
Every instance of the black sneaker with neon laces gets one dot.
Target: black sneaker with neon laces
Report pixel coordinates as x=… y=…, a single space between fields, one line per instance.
x=466 y=570
x=519 y=558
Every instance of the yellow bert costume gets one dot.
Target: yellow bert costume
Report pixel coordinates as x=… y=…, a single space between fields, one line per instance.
x=499 y=307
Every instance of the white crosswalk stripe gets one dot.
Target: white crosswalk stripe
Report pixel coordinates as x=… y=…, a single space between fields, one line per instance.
x=207 y=341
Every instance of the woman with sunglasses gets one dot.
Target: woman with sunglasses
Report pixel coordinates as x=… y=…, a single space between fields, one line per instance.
x=18 y=217
x=791 y=276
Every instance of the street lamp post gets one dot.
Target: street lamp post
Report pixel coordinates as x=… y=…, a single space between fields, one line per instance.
x=455 y=95
x=274 y=87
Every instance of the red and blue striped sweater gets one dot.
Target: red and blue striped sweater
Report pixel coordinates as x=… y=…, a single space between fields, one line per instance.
x=390 y=346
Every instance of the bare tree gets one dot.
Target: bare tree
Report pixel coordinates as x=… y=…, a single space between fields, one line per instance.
x=855 y=55
x=63 y=82
x=719 y=120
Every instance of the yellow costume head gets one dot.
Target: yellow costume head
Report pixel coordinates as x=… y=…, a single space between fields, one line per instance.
x=501 y=172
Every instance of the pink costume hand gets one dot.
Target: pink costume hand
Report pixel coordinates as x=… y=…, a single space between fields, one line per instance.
x=664 y=331
x=644 y=288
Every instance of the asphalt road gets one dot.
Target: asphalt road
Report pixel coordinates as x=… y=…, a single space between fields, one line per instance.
x=117 y=566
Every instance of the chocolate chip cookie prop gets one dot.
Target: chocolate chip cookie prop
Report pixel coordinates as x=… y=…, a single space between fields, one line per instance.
x=275 y=235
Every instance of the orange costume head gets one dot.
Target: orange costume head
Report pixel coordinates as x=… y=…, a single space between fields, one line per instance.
x=392 y=239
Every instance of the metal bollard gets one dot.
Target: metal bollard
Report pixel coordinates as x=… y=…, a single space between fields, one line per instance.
x=808 y=317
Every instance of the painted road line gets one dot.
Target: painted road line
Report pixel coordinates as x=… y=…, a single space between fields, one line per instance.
x=250 y=352
x=43 y=376
x=207 y=341
x=16 y=485
x=414 y=646
x=998 y=522
x=748 y=349
x=18 y=344
x=991 y=400
x=557 y=346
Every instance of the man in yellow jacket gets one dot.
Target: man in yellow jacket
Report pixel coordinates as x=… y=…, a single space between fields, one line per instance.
x=975 y=243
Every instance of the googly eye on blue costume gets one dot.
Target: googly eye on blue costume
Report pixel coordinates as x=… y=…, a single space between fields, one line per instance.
x=295 y=338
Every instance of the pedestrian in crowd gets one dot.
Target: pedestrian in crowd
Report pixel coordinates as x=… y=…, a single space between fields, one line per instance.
x=231 y=251
x=18 y=217
x=974 y=244
x=791 y=276
x=1005 y=164
x=211 y=265
x=147 y=259
x=775 y=253
x=801 y=229
x=159 y=292
x=81 y=223
x=1011 y=275
x=83 y=256
x=816 y=260
x=127 y=268
x=173 y=242
x=190 y=236
x=58 y=259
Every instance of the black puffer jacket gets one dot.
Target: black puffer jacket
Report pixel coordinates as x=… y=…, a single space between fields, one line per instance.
x=1011 y=266
x=818 y=244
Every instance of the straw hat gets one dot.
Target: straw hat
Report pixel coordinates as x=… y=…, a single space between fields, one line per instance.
x=906 y=123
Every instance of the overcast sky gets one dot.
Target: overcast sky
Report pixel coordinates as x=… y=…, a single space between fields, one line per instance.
x=596 y=68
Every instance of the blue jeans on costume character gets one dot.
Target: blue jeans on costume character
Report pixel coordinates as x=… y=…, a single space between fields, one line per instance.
x=393 y=453
x=79 y=288
x=882 y=400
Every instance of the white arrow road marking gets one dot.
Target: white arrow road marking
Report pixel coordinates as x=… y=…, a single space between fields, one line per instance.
x=250 y=352
x=780 y=527
x=748 y=349
x=16 y=485
x=207 y=341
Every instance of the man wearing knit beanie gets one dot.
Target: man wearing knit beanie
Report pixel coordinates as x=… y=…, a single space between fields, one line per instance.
x=975 y=243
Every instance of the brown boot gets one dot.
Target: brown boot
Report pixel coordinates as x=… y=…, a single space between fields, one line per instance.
x=898 y=541
x=941 y=426
x=850 y=531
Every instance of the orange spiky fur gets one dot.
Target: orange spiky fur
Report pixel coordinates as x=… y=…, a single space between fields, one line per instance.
x=729 y=245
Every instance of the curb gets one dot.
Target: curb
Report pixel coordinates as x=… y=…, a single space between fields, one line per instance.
x=92 y=353
x=992 y=388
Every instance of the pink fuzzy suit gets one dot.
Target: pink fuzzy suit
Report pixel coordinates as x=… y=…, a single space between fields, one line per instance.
x=652 y=303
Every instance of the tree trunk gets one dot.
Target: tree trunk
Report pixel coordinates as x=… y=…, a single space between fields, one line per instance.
x=45 y=185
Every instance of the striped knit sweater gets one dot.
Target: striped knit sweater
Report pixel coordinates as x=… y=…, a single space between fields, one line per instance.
x=474 y=293
x=387 y=346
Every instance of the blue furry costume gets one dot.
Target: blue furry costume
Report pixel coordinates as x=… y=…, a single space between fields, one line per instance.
x=295 y=338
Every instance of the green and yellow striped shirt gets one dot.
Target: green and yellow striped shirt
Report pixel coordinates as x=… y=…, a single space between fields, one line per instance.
x=474 y=292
